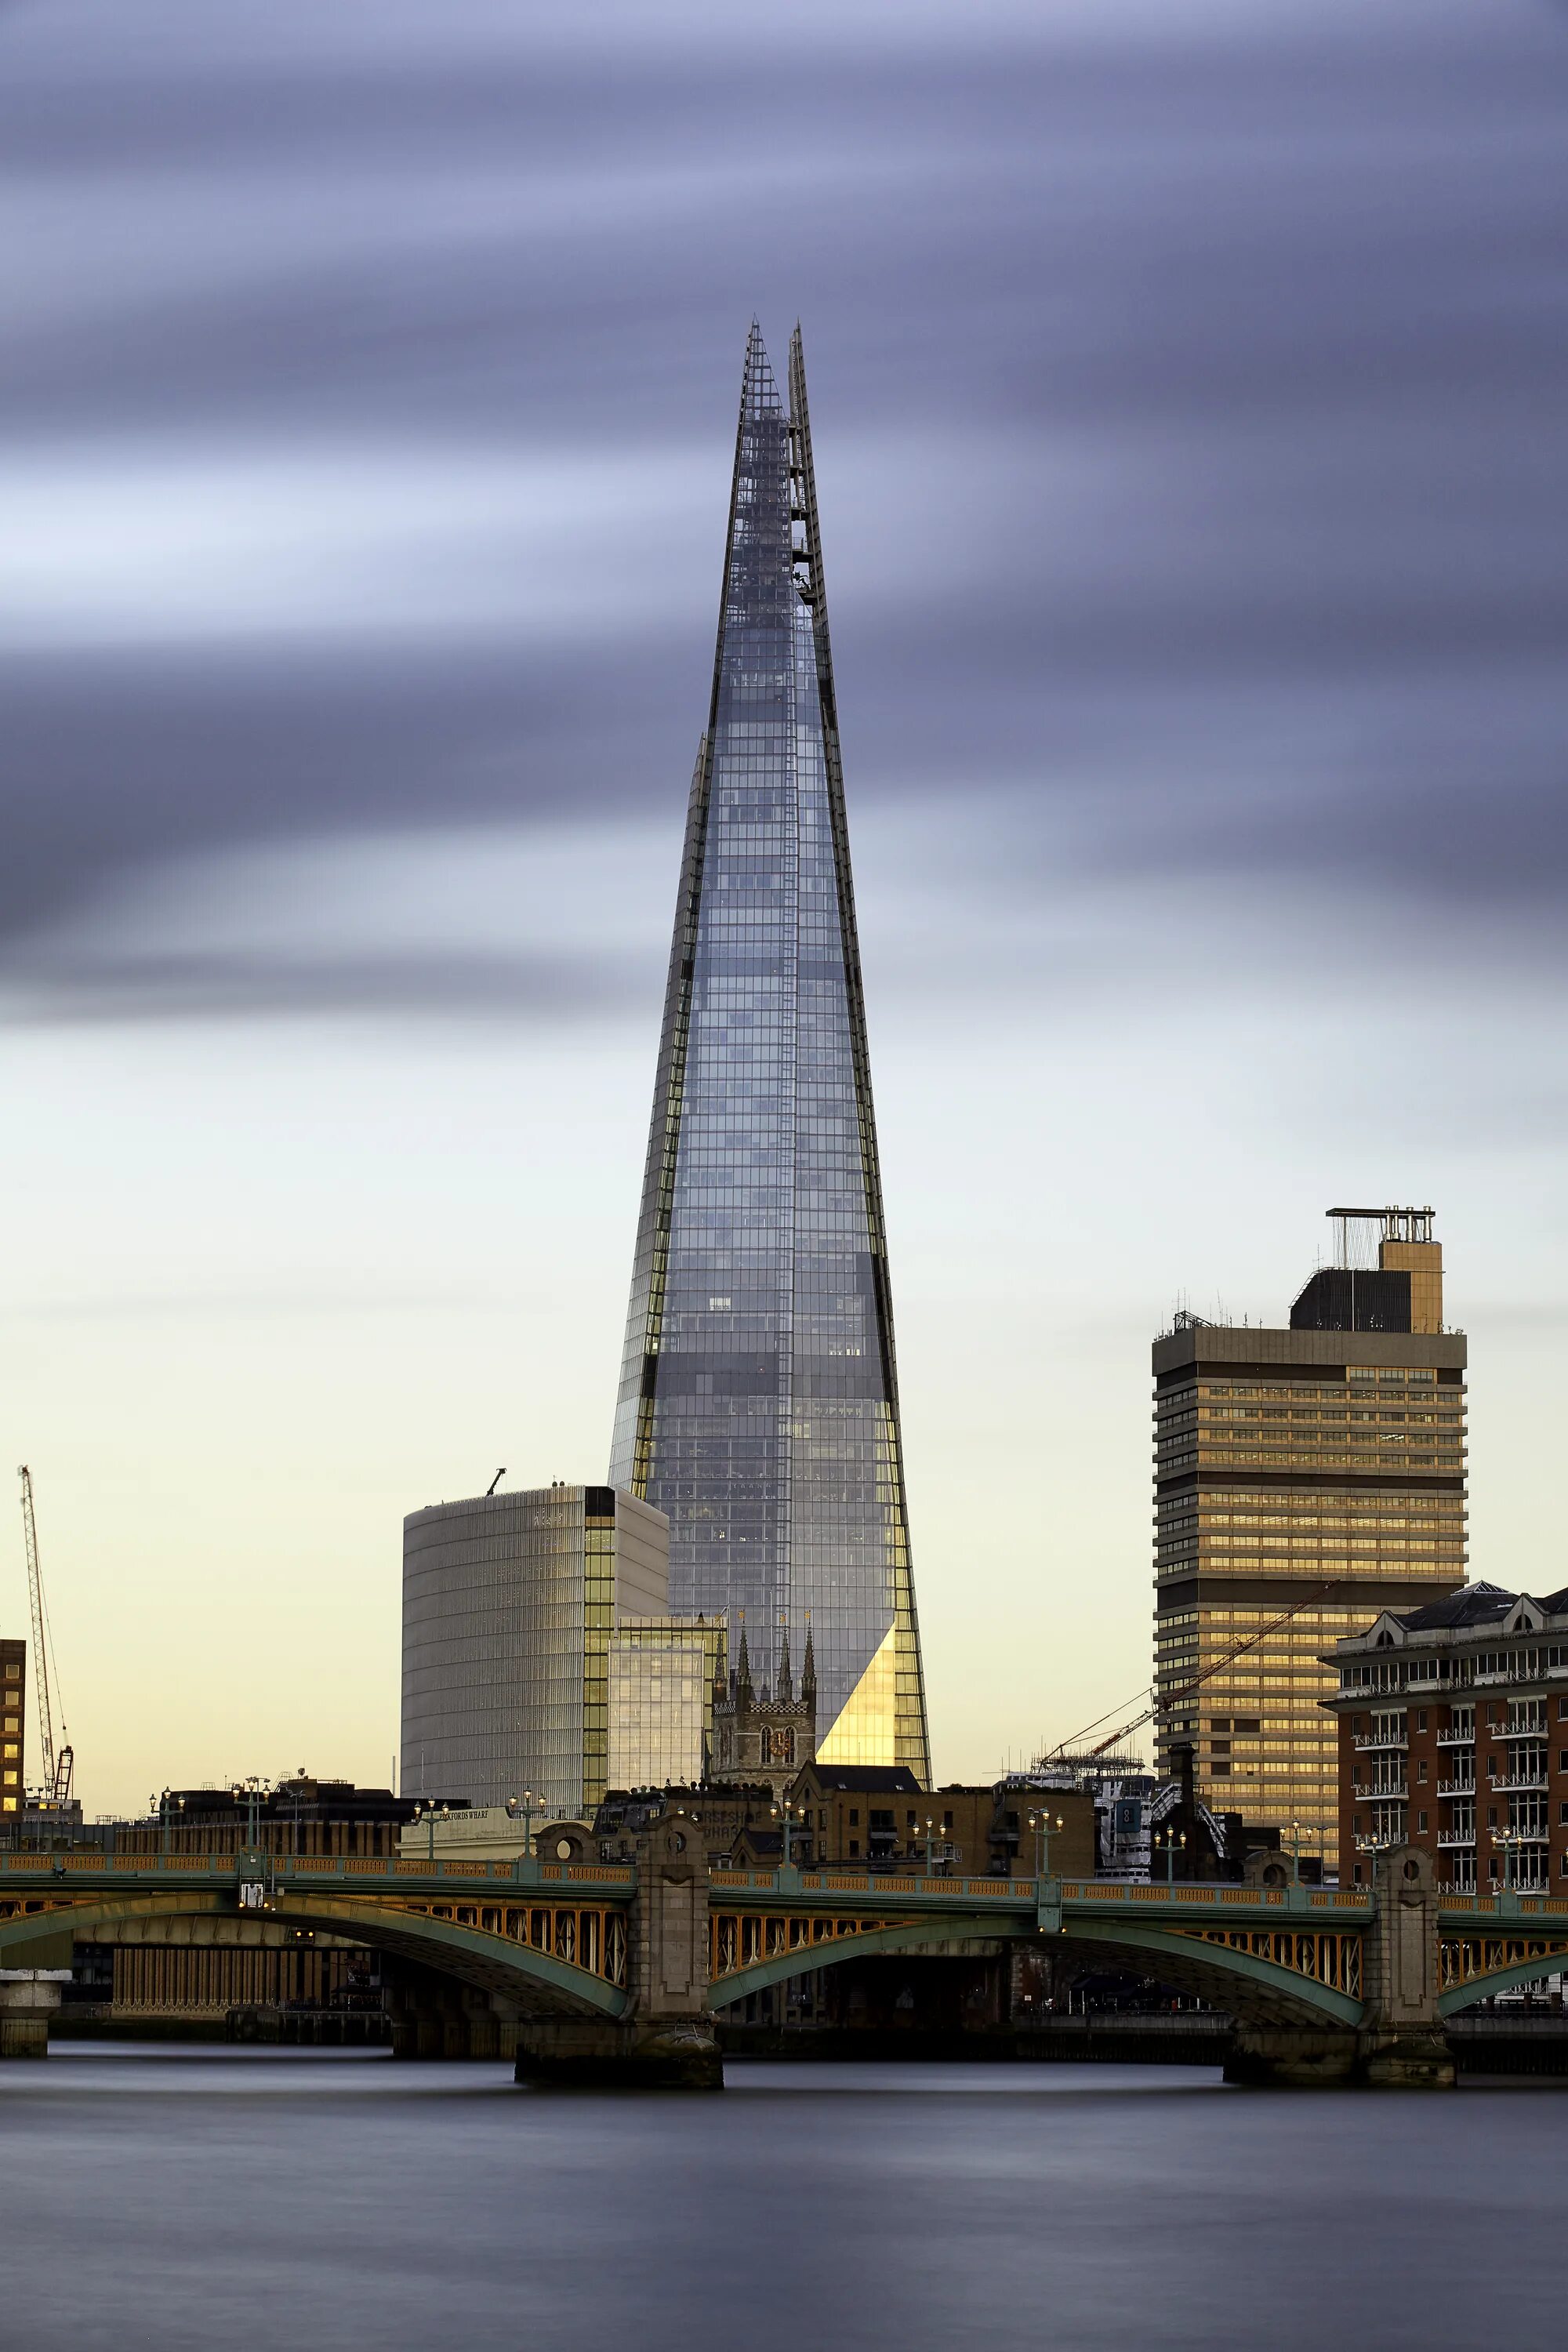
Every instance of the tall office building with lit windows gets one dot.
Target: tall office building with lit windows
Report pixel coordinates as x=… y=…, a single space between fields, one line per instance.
x=1305 y=1480
x=759 y=1402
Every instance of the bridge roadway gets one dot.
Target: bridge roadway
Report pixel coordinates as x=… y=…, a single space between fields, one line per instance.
x=592 y=1972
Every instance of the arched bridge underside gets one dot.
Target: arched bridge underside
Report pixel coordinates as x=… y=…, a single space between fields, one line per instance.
x=1274 y=1977
x=562 y=1959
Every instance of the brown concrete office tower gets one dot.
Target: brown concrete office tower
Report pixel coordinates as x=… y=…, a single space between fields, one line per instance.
x=1306 y=1479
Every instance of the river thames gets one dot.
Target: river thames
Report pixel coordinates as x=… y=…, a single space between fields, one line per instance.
x=199 y=2197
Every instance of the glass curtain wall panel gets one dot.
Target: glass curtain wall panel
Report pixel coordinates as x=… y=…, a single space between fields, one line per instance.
x=759 y=1400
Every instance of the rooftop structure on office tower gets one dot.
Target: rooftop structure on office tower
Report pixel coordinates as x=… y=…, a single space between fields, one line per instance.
x=507 y=1606
x=1306 y=1479
x=759 y=1402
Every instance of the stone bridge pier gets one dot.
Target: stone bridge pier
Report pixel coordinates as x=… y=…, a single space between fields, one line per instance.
x=664 y=2037
x=1400 y=2043
x=29 y=2001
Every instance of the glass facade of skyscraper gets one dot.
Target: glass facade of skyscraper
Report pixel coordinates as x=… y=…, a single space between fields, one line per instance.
x=759 y=1400
x=662 y=1673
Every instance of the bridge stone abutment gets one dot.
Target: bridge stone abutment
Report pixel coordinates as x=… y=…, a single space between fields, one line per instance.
x=664 y=2039
x=1400 y=2043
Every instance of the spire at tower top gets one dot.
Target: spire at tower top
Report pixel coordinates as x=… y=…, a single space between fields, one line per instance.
x=759 y=391
x=784 y=1684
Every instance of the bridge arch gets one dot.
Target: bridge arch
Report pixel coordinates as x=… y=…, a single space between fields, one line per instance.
x=475 y=1955
x=1253 y=1987
x=1528 y=1968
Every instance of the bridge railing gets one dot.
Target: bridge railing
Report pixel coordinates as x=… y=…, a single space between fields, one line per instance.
x=137 y=1867
x=301 y=1870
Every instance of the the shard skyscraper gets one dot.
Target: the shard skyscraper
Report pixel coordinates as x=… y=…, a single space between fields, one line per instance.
x=759 y=1404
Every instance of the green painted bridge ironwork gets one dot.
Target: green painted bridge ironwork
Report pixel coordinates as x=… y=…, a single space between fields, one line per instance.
x=565 y=1938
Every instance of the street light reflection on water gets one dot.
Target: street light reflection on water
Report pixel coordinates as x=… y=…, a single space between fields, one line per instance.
x=179 y=2197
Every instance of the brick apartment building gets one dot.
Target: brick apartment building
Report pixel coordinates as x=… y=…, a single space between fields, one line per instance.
x=1453 y=1734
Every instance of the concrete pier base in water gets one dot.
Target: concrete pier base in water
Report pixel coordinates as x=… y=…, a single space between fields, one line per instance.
x=1290 y=2057
x=1297 y=2058
x=28 y=1999
x=606 y=2053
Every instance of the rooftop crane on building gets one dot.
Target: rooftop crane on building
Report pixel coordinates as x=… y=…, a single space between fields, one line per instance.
x=58 y=1766
x=1185 y=1690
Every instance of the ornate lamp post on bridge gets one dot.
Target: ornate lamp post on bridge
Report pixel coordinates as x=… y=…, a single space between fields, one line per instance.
x=528 y=1805
x=784 y=1815
x=1043 y=1824
x=251 y=1789
x=430 y=1814
x=1171 y=1842
x=168 y=1807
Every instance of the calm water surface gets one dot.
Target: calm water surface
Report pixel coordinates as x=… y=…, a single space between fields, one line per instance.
x=247 y=2199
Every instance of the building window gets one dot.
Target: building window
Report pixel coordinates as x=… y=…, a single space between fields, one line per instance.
x=1420 y=1821
x=855 y=1848
x=1420 y=1718
x=1421 y=1773
x=853 y=1822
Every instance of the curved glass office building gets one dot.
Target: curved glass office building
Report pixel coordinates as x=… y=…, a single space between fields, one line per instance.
x=759 y=1399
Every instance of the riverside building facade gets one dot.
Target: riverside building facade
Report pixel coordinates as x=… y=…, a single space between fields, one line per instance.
x=1307 y=1479
x=759 y=1405
x=1453 y=1734
x=509 y=1606
x=12 y=1726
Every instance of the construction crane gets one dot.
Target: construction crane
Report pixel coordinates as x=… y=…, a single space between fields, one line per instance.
x=1184 y=1690
x=57 y=1768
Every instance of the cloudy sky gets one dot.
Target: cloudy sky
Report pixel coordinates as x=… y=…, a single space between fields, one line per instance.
x=1188 y=383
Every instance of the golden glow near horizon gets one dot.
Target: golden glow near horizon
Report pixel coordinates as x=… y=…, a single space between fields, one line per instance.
x=282 y=1285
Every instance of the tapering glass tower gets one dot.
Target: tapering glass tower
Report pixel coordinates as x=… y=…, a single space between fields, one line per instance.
x=759 y=1404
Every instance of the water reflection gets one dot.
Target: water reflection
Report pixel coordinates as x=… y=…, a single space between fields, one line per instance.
x=185 y=2196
